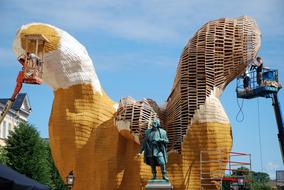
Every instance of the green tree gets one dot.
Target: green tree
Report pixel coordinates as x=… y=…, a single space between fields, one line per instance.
x=3 y=156
x=259 y=180
x=260 y=177
x=242 y=171
x=226 y=184
x=56 y=182
x=27 y=153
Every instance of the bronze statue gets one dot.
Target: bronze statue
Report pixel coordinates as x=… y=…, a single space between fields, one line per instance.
x=154 y=147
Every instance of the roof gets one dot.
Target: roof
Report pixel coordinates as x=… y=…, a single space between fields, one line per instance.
x=36 y=37
x=16 y=181
x=18 y=102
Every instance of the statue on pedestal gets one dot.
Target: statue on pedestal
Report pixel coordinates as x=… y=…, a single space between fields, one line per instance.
x=154 y=147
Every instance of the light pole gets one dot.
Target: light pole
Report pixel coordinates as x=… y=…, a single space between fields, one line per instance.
x=70 y=180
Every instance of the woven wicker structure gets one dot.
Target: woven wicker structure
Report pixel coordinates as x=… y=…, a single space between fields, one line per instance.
x=134 y=116
x=87 y=129
x=217 y=53
x=194 y=117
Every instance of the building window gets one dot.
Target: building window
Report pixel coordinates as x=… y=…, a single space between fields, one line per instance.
x=9 y=129
x=4 y=130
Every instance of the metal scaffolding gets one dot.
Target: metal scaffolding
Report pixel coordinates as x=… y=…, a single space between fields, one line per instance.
x=235 y=170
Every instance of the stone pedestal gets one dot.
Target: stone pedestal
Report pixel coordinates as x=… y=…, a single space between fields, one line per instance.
x=158 y=185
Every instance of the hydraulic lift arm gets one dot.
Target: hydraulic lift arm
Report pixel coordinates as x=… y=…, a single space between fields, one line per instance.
x=20 y=81
x=32 y=63
x=6 y=109
x=280 y=124
x=10 y=102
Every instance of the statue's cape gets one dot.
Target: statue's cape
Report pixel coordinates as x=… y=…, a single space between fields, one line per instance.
x=146 y=147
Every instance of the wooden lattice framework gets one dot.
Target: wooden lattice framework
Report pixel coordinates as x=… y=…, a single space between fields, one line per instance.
x=84 y=120
x=217 y=53
x=135 y=116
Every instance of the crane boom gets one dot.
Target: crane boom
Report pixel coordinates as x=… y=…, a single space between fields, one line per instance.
x=280 y=124
x=32 y=63
x=6 y=109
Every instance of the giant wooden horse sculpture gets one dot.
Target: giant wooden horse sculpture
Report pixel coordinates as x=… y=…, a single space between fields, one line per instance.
x=98 y=139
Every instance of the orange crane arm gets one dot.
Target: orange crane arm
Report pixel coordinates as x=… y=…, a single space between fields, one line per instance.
x=20 y=80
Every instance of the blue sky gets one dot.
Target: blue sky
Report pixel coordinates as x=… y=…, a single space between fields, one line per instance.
x=135 y=46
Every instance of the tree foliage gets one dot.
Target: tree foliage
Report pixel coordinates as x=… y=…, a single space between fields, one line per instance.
x=29 y=154
x=56 y=181
x=259 y=180
x=3 y=156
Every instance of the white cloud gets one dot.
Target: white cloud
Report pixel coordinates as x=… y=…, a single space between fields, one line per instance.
x=154 y=20
x=271 y=168
x=122 y=61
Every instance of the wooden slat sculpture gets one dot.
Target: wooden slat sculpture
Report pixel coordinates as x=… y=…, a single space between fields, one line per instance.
x=87 y=130
x=217 y=53
x=134 y=116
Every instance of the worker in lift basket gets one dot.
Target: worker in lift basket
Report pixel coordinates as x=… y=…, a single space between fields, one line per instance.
x=246 y=81
x=22 y=75
x=259 y=70
x=35 y=59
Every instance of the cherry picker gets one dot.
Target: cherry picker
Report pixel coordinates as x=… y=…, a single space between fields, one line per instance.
x=32 y=66
x=250 y=86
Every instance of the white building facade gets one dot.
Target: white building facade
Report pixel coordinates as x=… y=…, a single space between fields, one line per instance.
x=19 y=112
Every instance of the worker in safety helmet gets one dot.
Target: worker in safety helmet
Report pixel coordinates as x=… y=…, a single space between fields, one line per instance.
x=154 y=148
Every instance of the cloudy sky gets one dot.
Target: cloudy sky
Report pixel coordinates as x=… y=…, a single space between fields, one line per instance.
x=135 y=46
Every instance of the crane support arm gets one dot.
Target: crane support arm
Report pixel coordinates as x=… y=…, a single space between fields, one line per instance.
x=279 y=120
x=6 y=109
x=13 y=98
